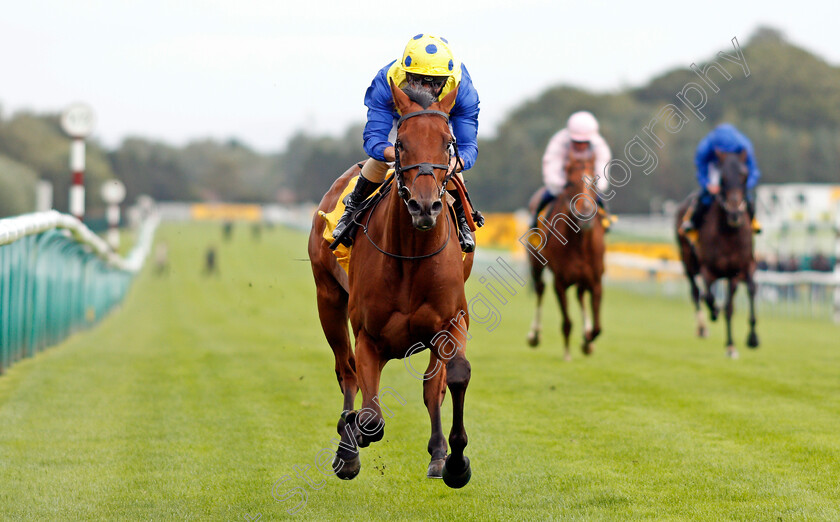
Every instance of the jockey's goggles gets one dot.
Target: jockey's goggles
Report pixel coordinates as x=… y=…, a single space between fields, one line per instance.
x=436 y=82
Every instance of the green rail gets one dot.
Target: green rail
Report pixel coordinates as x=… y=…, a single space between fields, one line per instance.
x=56 y=278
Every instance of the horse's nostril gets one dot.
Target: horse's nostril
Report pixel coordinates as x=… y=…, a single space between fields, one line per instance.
x=413 y=206
x=437 y=206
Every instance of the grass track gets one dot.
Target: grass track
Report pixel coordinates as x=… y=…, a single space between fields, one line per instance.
x=200 y=393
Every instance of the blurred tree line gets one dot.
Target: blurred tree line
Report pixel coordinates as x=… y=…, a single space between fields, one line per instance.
x=789 y=106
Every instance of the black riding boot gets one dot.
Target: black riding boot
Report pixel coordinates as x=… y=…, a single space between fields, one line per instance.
x=547 y=198
x=465 y=234
x=699 y=211
x=361 y=191
x=694 y=216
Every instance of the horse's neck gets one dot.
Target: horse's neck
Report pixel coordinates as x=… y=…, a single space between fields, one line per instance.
x=716 y=222
x=577 y=187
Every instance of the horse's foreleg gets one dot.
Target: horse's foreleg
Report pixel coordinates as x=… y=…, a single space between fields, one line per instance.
x=369 y=420
x=456 y=470
x=731 y=351
x=434 y=390
x=539 y=288
x=708 y=296
x=752 y=338
x=566 y=327
x=584 y=313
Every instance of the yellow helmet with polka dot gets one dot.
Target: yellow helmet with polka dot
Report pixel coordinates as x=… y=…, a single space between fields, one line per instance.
x=428 y=55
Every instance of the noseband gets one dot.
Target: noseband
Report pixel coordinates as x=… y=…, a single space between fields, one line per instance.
x=424 y=168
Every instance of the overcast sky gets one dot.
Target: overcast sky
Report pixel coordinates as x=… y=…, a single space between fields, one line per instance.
x=261 y=70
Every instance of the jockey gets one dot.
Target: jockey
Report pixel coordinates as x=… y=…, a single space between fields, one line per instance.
x=580 y=134
x=428 y=64
x=723 y=138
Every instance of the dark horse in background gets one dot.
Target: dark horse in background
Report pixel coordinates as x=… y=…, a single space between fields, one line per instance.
x=723 y=248
x=574 y=251
x=404 y=288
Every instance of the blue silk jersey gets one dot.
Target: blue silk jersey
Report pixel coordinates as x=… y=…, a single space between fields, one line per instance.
x=726 y=138
x=382 y=115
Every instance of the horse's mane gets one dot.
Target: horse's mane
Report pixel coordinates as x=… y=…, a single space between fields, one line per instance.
x=420 y=97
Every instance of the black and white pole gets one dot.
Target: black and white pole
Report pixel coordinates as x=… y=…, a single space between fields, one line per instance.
x=77 y=121
x=113 y=192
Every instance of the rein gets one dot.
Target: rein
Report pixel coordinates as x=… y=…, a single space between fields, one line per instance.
x=398 y=256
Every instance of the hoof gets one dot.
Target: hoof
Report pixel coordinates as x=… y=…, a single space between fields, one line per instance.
x=752 y=340
x=702 y=332
x=567 y=357
x=732 y=352
x=533 y=339
x=587 y=348
x=435 y=469
x=456 y=479
x=714 y=314
x=349 y=469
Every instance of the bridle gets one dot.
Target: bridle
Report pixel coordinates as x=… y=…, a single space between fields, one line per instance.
x=423 y=168
x=724 y=204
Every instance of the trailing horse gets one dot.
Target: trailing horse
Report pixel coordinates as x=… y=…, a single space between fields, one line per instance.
x=574 y=251
x=722 y=249
x=404 y=288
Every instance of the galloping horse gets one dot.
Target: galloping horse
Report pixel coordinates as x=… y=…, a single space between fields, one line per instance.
x=724 y=248
x=574 y=251
x=405 y=285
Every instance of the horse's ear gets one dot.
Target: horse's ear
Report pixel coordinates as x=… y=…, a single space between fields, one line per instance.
x=719 y=155
x=448 y=101
x=401 y=100
x=743 y=156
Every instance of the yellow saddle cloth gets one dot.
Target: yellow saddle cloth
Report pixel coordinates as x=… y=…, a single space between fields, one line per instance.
x=342 y=253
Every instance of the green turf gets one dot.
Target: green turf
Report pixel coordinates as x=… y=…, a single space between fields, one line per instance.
x=200 y=393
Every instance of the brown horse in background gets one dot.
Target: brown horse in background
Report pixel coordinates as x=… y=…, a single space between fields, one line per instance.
x=724 y=248
x=573 y=244
x=405 y=289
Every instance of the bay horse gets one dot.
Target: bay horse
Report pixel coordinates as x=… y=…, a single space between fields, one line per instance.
x=723 y=250
x=574 y=252
x=404 y=288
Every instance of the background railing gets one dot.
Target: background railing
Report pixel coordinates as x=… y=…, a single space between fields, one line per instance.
x=58 y=277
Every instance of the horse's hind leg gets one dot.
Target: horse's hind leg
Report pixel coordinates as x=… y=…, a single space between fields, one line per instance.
x=752 y=338
x=539 y=288
x=332 y=311
x=560 y=290
x=592 y=327
x=434 y=390
x=456 y=470
x=731 y=351
x=702 y=331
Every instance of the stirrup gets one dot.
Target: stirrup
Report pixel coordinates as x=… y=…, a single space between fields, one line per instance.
x=465 y=235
